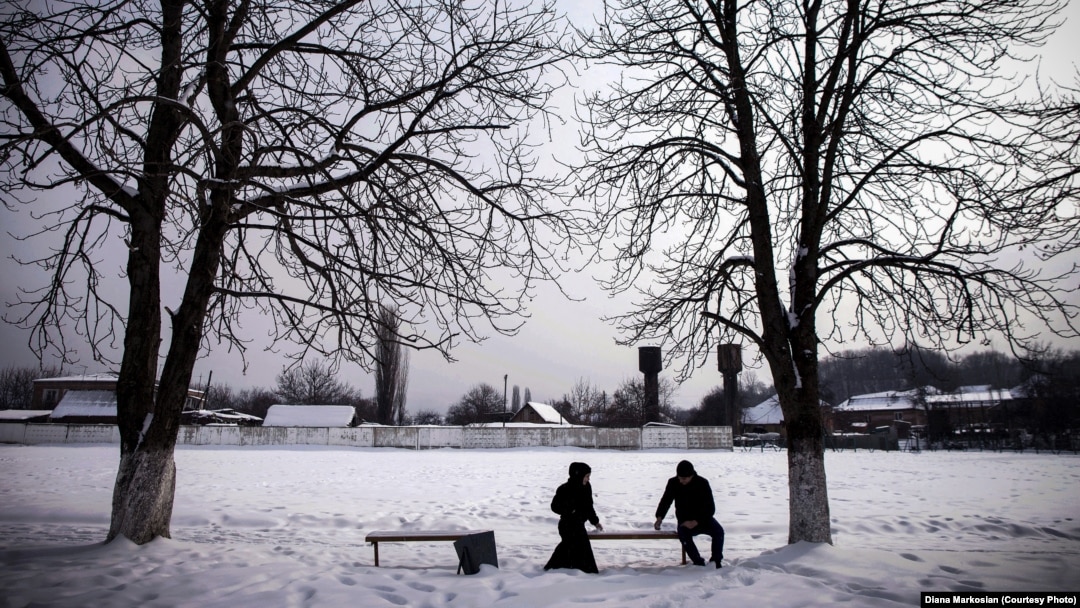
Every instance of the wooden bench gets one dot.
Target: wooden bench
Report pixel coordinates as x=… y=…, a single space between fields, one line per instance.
x=398 y=536
x=638 y=535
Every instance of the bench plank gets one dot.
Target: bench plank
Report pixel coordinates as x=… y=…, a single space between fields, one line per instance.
x=637 y=535
x=633 y=534
x=404 y=536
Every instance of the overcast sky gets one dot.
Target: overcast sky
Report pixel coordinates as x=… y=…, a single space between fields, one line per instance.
x=562 y=342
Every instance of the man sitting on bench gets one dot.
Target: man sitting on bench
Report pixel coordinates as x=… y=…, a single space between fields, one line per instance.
x=694 y=511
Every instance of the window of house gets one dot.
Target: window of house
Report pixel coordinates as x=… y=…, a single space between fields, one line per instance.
x=899 y=416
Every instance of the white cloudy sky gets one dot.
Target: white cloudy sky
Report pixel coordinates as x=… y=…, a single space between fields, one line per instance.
x=561 y=342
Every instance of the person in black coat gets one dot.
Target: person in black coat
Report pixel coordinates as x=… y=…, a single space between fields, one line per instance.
x=694 y=510
x=574 y=503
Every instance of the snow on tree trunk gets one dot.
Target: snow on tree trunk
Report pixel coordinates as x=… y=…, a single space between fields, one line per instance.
x=143 y=495
x=798 y=387
x=809 y=498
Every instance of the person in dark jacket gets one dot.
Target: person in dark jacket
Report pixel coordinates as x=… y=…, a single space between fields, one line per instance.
x=574 y=503
x=694 y=510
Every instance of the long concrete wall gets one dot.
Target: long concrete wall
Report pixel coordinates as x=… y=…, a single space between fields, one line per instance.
x=410 y=437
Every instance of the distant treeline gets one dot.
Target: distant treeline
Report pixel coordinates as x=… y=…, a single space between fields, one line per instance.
x=843 y=374
x=875 y=370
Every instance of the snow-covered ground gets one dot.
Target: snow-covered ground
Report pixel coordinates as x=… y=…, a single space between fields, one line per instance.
x=265 y=527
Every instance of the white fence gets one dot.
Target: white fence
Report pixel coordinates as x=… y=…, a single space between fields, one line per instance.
x=411 y=437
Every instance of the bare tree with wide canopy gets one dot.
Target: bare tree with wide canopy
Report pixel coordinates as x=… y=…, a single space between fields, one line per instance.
x=306 y=161
x=790 y=175
x=313 y=382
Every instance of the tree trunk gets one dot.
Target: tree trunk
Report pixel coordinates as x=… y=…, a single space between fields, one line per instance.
x=143 y=495
x=807 y=489
x=145 y=484
x=808 y=495
x=137 y=515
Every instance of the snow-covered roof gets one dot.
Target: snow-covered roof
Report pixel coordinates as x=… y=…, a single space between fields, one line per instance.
x=984 y=397
x=223 y=414
x=100 y=404
x=906 y=400
x=309 y=415
x=103 y=377
x=16 y=415
x=766 y=412
x=527 y=425
x=548 y=413
x=885 y=400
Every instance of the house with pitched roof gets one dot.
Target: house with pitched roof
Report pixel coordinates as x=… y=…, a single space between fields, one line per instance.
x=765 y=417
x=87 y=399
x=539 y=413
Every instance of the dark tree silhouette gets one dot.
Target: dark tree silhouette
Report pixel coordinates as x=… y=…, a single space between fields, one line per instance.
x=313 y=383
x=17 y=385
x=627 y=405
x=793 y=174
x=427 y=417
x=711 y=410
x=585 y=403
x=391 y=369
x=480 y=404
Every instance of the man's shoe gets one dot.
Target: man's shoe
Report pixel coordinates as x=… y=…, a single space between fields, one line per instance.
x=699 y=562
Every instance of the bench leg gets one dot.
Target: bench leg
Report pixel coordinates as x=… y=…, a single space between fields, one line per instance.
x=376 y=545
x=680 y=545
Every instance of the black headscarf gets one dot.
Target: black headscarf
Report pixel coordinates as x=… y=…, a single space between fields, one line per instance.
x=578 y=470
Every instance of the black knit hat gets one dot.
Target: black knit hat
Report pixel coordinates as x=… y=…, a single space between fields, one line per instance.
x=685 y=469
x=578 y=470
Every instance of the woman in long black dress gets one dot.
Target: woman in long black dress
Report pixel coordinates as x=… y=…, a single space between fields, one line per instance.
x=574 y=504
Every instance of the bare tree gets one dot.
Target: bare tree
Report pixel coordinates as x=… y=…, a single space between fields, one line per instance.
x=1052 y=396
x=995 y=368
x=391 y=368
x=587 y=403
x=364 y=407
x=427 y=417
x=254 y=401
x=478 y=405
x=871 y=370
x=308 y=160
x=711 y=410
x=515 y=398
x=17 y=385
x=626 y=408
x=793 y=174
x=314 y=383
x=218 y=396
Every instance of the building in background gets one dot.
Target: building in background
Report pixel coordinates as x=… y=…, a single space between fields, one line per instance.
x=87 y=399
x=310 y=415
